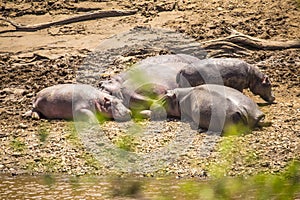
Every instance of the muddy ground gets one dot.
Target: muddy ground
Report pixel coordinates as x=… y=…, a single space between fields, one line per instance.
x=31 y=61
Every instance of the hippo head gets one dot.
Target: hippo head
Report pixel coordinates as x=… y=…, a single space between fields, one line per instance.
x=112 y=86
x=113 y=108
x=263 y=88
x=251 y=117
x=170 y=103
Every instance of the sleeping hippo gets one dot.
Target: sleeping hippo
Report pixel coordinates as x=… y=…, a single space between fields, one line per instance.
x=77 y=101
x=147 y=80
x=212 y=107
x=235 y=73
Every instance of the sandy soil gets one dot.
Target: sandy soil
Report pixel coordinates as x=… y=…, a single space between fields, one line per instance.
x=31 y=61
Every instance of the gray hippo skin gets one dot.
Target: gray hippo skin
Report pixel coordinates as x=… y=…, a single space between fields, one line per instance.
x=234 y=73
x=77 y=101
x=147 y=80
x=212 y=107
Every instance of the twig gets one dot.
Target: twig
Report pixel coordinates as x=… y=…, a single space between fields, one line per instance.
x=78 y=18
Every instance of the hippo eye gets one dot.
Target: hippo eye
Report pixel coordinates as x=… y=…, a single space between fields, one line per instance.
x=266 y=84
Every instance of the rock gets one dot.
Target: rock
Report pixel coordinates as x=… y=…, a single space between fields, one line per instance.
x=21 y=125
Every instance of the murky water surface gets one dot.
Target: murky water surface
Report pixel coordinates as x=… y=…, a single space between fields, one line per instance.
x=96 y=187
x=84 y=187
x=52 y=187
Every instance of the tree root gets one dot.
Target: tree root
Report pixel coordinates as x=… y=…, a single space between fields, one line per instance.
x=83 y=17
x=238 y=44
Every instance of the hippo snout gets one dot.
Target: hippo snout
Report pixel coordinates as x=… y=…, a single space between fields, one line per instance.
x=260 y=117
x=119 y=111
x=270 y=99
x=124 y=115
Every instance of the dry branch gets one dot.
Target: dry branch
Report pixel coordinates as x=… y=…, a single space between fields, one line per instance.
x=78 y=18
x=250 y=43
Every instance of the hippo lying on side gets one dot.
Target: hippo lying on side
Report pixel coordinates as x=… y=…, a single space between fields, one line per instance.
x=234 y=73
x=69 y=101
x=147 y=80
x=212 y=107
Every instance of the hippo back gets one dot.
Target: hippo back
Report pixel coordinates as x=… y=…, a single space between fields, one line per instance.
x=152 y=77
x=64 y=100
x=222 y=71
x=59 y=101
x=215 y=107
x=161 y=70
x=172 y=58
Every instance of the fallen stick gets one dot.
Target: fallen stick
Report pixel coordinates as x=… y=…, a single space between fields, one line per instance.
x=78 y=18
x=249 y=42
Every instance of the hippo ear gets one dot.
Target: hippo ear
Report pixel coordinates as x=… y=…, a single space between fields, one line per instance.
x=107 y=102
x=266 y=80
x=99 y=107
x=171 y=96
x=103 y=107
x=100 y=84
x=170 y=93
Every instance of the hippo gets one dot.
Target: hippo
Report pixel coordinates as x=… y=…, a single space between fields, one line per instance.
x=77 y=101
x=147 y=80
x=234 y=73
x=211 y=107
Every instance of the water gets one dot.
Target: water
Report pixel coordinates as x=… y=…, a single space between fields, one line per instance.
x=53 y=187
x=131 y=187
x=84 y=187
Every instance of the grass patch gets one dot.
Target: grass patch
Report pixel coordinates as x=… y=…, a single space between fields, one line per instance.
x=43 y=133
x=126 y=142
x=73 y=138
x=18 y=144
x=129 y=140
x=72 y=135
x=281 y=186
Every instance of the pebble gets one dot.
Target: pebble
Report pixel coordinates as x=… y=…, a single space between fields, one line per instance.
x=21 y=125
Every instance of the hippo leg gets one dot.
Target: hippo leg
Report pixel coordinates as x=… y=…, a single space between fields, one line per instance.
x=33 y=114
x=27 y=114
x=145 y=114
x=195 y=126
x=151 y=114
x=156 y=112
